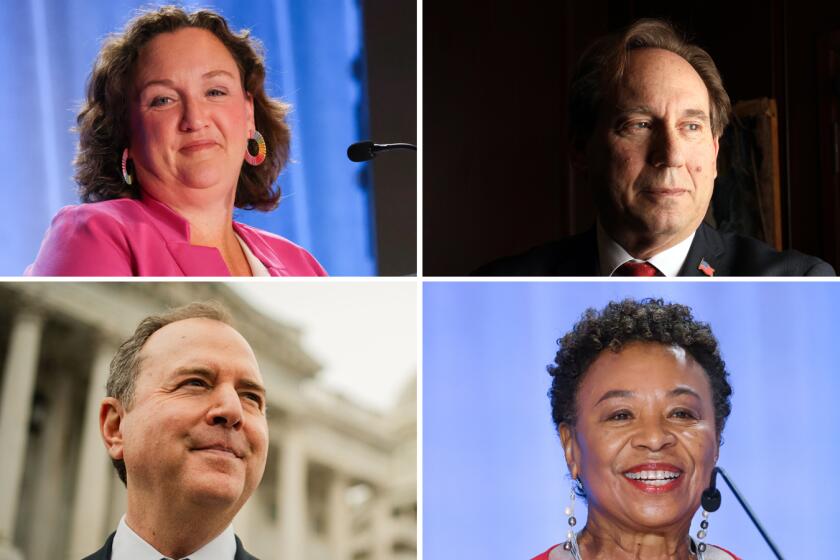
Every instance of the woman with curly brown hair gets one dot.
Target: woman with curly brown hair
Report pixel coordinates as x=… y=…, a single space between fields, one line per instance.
x=177 y=130
x=640 y=397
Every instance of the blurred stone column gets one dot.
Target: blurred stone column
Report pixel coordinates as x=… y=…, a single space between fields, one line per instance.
x=45 y=500
x=19 y=373
x=291 y=499
x=338 y=518
x=381 y=526
x=93 y=481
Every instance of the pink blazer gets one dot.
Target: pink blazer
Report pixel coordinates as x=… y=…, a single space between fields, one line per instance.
x=128 y=237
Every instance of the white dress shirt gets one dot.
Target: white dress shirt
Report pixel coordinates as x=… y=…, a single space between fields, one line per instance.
x=128 y=545
x=612 y=255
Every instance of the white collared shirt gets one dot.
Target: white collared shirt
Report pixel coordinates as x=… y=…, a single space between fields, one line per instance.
x=128 y=545
x=612 y=255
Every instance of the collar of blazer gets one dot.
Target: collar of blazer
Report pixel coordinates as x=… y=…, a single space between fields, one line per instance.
x=195 y=260
x=705 y=254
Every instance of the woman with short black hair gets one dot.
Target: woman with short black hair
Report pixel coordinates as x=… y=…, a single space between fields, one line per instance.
x=639 y=397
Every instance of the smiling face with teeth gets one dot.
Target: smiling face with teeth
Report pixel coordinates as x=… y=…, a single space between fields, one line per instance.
x=644 y=440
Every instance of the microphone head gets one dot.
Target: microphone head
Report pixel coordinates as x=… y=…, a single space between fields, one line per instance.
x=710 y=500
x=361 y=151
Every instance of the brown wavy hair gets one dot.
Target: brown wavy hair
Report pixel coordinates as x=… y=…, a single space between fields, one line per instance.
x=103 y=120
x=602 y=67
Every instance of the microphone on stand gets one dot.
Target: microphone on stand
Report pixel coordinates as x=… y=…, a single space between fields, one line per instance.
x=367 y=150
x=710 y=500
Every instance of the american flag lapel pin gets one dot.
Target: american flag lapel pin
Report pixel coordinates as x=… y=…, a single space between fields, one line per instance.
x=706 y=268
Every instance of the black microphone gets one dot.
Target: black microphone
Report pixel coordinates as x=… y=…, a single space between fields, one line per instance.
x=367 y=150
x=710 y=500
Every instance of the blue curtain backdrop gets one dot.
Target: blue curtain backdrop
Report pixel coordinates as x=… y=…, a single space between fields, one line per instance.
x=315 y=62
x=494 y=479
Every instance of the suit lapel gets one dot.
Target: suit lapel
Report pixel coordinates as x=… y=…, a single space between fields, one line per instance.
x=583 y=259
x=705 y=253
x=591 y=261
x=103 y=553
x=193 y=260
x=241 y=554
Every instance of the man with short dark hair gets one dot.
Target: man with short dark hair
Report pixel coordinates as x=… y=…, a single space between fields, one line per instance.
x=647 y=110
x=184 y=423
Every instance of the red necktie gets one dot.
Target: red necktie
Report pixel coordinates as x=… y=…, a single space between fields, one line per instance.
x=631 y=268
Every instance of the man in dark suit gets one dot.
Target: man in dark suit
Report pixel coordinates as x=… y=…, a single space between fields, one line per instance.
x=647 y=110
x=184 y=423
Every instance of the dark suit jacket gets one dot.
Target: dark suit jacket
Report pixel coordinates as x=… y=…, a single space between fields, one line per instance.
x=729 y=254
x=104 y=553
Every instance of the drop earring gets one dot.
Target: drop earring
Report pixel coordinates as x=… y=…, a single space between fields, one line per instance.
x=125 y=173
x=571 y=544
x=701 y=534
x=259 y=157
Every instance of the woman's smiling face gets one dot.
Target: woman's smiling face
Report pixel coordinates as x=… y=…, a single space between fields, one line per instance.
x=645 y=441
x=190 y=117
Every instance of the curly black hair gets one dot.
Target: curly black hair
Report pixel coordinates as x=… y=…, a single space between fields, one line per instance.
x=648 y=320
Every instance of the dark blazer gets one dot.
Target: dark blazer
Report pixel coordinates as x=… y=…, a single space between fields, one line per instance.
x=728 y=254
x=104 y=553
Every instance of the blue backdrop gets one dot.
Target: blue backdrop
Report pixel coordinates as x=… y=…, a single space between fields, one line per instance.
x=494 y=479
x=315 y=62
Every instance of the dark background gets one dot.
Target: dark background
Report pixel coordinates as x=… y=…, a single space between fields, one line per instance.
x=496 y=174
x=391 y=46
